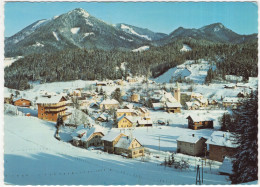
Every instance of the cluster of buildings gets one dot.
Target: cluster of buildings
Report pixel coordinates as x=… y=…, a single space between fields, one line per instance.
x=218 y=146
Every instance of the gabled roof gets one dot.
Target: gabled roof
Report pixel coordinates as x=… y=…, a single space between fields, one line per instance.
x=129 y=118
x=90 y=132
x=144 y=122
x=109 y=101
x=173 y=105
x=16 y=99
x=196 y=118
x=125 y=110
x=144 y=109
x=221 y=138
x=124 y=142
x=53 y=99
x=190 y=138
x=111 y=136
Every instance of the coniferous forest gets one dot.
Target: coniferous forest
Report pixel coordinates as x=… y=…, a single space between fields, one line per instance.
x=96 y=64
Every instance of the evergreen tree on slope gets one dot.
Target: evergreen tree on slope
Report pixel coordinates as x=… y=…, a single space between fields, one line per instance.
x=245 y=165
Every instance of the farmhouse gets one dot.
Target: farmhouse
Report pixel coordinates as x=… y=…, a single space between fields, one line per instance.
x=199 y=122
x=126 y=112
x=192 y=105
x=87 y=137
x=49 y=107
x=129 y=147
x=22 y=102
x=231 y=102
x=220 y=145
x=173 y=107
x=144 y=112
x=108 y=104
x=192 y=145
x=144 y=123
x=125 y=122
x=110 y=140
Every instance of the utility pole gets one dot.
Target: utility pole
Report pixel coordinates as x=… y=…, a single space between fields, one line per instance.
x=198 y=175
x=202 y=171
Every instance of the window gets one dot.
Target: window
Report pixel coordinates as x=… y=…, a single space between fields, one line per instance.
x=141 y=151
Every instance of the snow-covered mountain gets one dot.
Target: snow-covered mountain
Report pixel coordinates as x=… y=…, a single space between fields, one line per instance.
x=75 y=29
x=216 y=32
x=140 y=32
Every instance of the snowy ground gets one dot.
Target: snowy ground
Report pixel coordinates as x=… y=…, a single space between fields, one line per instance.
x=33 y=156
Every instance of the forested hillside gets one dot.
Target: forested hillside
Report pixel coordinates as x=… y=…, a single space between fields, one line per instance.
x=235 y=59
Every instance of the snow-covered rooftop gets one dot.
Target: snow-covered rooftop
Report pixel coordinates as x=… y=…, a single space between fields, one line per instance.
x=173 y=105
x=231 y=99
x=221 y=138
x=50 y=100
x=109 y=101
x=193 y=138
x=111 y=136
x=198 y=118
x=124 y=142
x=144 y=122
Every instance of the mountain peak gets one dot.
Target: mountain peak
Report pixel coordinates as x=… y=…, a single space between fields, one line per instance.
x=79 y=11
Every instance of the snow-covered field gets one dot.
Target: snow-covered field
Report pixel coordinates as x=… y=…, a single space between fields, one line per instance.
x=33 y=156
x=196 y=72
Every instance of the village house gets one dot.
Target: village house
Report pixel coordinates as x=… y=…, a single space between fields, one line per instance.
x=131 y=80
x=203 y=102
x=199 y=122
x=110 y=140
x=102 y=117
x=121 y=82
x=157 y=106
x=8 y=98
x=129 y=147
x=22 y=102
x=144 y=112
x=50 y=107
x=196 y=96
x=109 y=104
x=220 y=145
x=231 y=102
x=213 y=102
x=192 y=105
x=135 y=98
x=125 y=122
x=144 y=123
x=126 y=112
x=173 y=107
x=191 y=145
x=230 y=86
x=101 y=83
x=87 y=136
x=129 y=106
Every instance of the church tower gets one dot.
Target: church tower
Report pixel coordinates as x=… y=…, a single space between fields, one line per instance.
x=177 y=93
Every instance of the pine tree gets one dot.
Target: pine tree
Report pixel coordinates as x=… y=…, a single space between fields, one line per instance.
x=245 y=165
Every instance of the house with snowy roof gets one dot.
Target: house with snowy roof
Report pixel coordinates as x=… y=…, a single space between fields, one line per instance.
x=87 y=136
x=102 y=117
x=109 y=104
x=203 y=102
x=232 y=102
x=220 y=145
x=192 y=145
x=144 y=112
x=158 y=106
x=110 y=140
x=51 y=106
x=135 y=97
x=22 y=102
x=192 y=105
x=125 y=121
x=129 y=147
x=100 y=83
x=196 y=122
x=196 y=95
x=173 y=107
x=144 y=123
x=126 y=112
